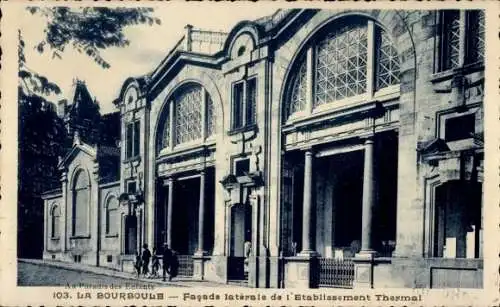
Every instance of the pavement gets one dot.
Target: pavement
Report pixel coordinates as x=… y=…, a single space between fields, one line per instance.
x=40 y=272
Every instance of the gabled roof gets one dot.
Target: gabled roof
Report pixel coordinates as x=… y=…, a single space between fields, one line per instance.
x=267 y=28
x=78 y=146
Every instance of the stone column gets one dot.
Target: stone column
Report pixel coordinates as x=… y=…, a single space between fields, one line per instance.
x=302 y=270
x=368 y=199
x=170 y=183
x=307 y=233
x=201 y=215
x=364 y=260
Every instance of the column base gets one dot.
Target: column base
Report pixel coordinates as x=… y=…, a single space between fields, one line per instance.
x=199 y=260
x=308 y=253
x=302 y=271
x=363 y=268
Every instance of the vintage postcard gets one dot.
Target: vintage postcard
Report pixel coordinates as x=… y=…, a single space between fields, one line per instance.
x=249 y=154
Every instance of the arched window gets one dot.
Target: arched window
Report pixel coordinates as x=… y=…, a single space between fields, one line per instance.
x=81 y=203
x=194 y=117
x=55 y=214
x=111 y=215
x=349 y=59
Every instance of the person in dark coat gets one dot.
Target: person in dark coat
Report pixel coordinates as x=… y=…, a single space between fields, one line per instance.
x=155 y=265
x=174 y=265
x=146 y=256
x=167 y=256
x=138 y=264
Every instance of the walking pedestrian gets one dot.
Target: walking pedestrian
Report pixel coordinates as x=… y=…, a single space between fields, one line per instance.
x=138 y=264
x=167 y=255
x=174 y=265
x=146 y=256
x=155 y=265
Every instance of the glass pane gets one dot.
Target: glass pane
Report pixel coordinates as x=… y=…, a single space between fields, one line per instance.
x=211 y=116
x=237 y=105
x=475 y=48
x=137 y=138
x=298 y=97
x=387 y=61
x=188 y=115
x=165 y=138
x=130 y=132
x=251 y=101
x=341 y=64
x=451 y=39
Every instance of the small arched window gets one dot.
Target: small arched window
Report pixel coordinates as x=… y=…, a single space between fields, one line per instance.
x=81 y=203
x=351 y=58
x=111 y=215
x=55 y=214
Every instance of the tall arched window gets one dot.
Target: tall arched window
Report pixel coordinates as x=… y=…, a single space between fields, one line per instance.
x=55 y=214
x=112 y=215
x=348 y=59
x=194 y=117
x=81 y=203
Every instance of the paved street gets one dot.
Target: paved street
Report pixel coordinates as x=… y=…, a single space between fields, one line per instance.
x=35 y=272
x=30 y=274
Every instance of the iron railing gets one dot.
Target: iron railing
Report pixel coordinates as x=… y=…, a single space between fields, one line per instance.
x=336 y=273
x=185 y=265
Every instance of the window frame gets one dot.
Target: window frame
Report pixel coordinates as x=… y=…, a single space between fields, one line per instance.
x=109 y=230
x=53 y=222
x=466 y=37
x=83 y=233
x=133 y=139
x=309 y=58
x=246 y=123
x=166 y=144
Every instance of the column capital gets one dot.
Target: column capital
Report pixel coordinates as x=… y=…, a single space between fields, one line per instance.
x=309 y=150
x=368 y=139
x=168 y=181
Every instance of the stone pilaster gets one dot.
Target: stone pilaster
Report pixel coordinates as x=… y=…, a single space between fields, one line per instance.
x=64 y=218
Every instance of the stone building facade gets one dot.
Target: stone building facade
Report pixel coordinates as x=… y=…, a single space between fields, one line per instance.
x=307 y=148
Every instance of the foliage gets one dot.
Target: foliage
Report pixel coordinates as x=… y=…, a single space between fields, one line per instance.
x=89 y=30
x=42 y=136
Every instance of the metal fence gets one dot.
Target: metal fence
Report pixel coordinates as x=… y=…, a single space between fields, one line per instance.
x=336 y=273
x=185 y=265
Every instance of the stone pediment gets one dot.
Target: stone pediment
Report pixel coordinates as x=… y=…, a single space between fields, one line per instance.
x=433 y=147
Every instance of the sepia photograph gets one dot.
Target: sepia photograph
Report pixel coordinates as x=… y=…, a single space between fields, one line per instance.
x=315 y=148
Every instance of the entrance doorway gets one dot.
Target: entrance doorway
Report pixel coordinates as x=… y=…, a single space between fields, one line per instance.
x=240 y=240
x=130 y=234
x=457 y=221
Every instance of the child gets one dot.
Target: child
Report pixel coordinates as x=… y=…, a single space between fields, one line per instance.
x=138 y=264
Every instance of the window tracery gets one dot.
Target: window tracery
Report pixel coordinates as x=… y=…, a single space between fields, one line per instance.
x=356 y=58
x=189 y=116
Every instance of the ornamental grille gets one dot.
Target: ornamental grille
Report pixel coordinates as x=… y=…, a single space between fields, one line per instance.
x=188 y=115
x=387 y=62
x=185 y=265
x=298 y=98
x=452 y=42
x=476 y=32
x=341 y=65
x=336 y=273
x=211 y=118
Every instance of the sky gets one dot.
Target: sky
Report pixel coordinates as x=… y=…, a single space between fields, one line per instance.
x=148 y=46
